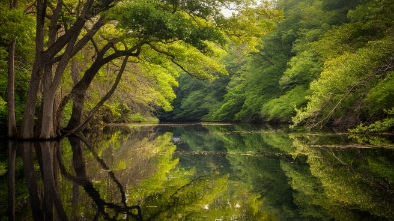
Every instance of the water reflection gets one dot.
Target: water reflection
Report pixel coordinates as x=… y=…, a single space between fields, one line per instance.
x=195 y=172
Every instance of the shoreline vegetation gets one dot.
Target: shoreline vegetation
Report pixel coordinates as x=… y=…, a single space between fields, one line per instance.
x=313 y=139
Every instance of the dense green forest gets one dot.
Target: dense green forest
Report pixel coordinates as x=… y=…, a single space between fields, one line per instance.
x=310 y=63
x=67 y=63
x=327 y=63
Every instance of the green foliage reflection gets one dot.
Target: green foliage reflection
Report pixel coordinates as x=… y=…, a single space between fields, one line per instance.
x=208 y=172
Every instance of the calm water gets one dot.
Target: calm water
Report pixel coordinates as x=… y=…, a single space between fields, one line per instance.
x=199 y=172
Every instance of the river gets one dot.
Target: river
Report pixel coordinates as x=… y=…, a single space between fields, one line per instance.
x=212 y=172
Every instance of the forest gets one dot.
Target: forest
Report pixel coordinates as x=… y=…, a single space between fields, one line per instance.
x=67 y=65
x=327 y=63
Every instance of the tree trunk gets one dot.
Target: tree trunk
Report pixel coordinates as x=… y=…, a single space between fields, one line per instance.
x=78 y=102
x=27 y=126
x=43 y=112
x=43 y=59
x=11 y=90
x=46 y=120
x=12 y=131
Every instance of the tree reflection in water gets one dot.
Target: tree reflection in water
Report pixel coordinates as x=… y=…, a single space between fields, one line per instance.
x=60 y=179
x=44 y=194
x=141 y=175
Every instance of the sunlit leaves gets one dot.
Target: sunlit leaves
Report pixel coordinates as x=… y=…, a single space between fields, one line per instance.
x=356 y=57
x=183 y=37
x=302 y=69
x=250 y=25
x=153 y=22
x=16 y=22
x=379 y=96
x=282 y=108
x=346 y=79
x=145 y=86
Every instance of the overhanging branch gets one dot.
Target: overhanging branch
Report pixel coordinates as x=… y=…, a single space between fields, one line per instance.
x=103 y=100
x=173 y=60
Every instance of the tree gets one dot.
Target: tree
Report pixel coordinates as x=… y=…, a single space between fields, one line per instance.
x=187 y=34
x=11 y=81
x=15 y=37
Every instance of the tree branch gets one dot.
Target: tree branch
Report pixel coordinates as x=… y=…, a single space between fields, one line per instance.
x=104 y=99
x=53 y=22
x=172 y=58
x=90 y=73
